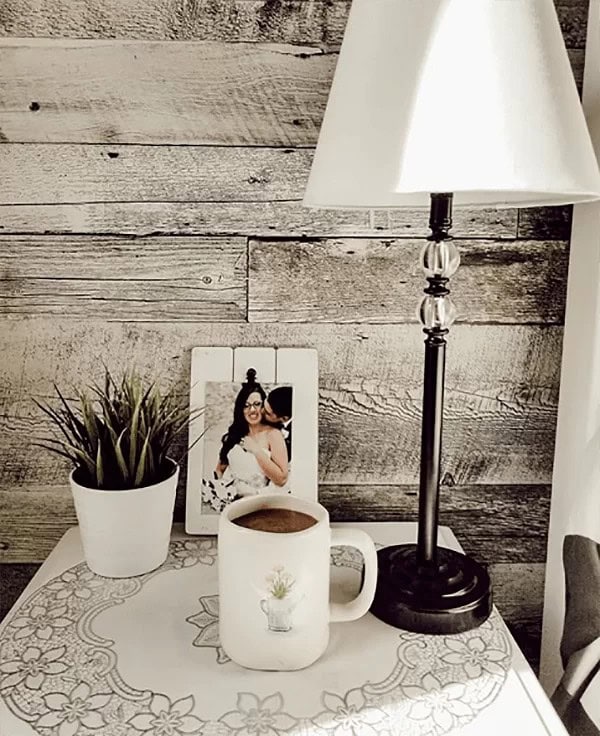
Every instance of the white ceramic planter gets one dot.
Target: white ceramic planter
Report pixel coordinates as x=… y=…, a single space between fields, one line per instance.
x=125 y=533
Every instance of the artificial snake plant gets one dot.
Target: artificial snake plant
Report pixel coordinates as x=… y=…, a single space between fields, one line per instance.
x=118 y=436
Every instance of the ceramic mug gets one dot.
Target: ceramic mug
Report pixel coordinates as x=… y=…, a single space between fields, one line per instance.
x=274 y=608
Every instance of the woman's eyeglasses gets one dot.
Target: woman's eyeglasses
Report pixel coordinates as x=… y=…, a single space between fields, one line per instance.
x=253 y=405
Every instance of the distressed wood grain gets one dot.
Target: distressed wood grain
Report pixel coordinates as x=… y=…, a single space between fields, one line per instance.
x=251 y=218
x=488 y=520
x=204 y=279
x=502 y=391
x=33 y=518
x=70 y=188
x=519 y=596
x=13 y=581
x=282 y=21
x=359 y=280
x=545 y=223
x=161 y=92
x=192 y=279
x=573 y=17
x=76 y=174
x=478 y=511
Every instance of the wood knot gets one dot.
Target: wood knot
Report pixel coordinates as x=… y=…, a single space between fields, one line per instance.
x=34 y=107
x=258 y=179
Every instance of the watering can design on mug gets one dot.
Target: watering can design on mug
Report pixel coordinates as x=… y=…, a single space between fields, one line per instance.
x=280 y=604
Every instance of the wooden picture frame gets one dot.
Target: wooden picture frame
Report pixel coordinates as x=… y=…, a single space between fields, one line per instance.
x=217 y=376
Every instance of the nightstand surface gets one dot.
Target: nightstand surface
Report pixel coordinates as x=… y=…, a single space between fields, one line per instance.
x=82 y=655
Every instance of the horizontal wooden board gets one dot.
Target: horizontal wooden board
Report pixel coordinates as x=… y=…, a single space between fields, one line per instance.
x=204 y=279
x=33 y=520
x=502 y=391
x=573 y=17
x=545 y=223
x=63 y=174
x=193 y=279
x=162 y=92
x=13 y=580
x=255 y=218
x=184 y=93
x=519 y=596
x=291 y=21
x=359 y=280
x=191 y=190
x=518 y=599
x=487 y=519
x=496 y=511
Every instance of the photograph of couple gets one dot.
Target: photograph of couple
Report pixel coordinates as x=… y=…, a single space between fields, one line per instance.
x=248 y=441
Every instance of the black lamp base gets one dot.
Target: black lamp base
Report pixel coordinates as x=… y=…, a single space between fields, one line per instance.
x=453 y=596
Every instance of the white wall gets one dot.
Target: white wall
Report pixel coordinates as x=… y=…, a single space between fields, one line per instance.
x=576 y=477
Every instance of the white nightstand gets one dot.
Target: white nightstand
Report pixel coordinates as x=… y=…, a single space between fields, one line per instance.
x=82 y=655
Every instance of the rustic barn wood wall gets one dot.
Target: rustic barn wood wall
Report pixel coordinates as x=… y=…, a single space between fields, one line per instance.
x=153 y=161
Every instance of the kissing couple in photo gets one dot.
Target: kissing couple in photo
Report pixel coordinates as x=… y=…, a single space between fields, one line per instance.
x=255 y=451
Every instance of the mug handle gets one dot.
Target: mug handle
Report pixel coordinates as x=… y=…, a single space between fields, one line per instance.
x=364 y=544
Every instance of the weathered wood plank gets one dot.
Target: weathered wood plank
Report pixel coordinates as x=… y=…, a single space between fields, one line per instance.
x=288 y=21
x=260 y=219
x=161 y=92
x=32 y=521
x=13 y=581
x=573 y=17
x=502 y=390
x=245 y=94
x=191 y=190
x=494 y=511
x=193 y=279
x=488 y=520
x=358 y=280
x=204 y=279
x=63 y=174
x=519 y=596
x=545 y=223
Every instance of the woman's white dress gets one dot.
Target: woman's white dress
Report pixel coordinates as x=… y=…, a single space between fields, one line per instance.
x=248 y=477
x=242 y=477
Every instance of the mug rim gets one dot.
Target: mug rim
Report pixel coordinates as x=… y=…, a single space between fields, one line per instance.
x=261 y=501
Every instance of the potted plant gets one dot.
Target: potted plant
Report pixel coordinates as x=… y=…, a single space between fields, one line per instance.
x=119 y=438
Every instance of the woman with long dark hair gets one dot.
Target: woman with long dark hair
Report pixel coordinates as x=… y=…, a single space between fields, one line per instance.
x=254 y=451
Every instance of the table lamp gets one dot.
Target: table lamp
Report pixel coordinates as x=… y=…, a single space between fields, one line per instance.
x=442 y=102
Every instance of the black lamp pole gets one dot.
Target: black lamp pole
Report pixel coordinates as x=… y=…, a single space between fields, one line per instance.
x=423 y=587
x=440 y=221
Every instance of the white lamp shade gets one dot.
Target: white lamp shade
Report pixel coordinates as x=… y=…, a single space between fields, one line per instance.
x=474 y=97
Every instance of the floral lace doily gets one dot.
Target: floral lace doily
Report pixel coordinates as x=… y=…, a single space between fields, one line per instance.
x=63 y=679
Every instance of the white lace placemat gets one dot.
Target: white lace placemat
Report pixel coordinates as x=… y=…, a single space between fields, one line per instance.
x=85 y=655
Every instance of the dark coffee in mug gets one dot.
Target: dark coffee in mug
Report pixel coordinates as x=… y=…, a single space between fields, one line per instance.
x=279 y=521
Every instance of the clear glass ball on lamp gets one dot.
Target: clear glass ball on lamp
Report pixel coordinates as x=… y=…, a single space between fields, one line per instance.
x=440 y=258
x=437 y=312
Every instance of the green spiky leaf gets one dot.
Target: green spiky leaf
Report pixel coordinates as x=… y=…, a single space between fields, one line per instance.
x=119 y=434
